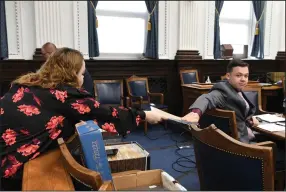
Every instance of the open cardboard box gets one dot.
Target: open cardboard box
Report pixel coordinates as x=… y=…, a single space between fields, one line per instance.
x=151 y=180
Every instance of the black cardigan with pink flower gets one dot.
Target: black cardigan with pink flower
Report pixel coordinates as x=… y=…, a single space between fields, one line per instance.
x=32 y=118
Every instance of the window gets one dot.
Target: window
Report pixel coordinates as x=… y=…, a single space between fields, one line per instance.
x=122 y=27
x=237 y=25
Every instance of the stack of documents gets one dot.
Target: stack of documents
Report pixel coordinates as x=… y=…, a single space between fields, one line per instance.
x=281 y=124
x=270 y=118
x=272 y=127
x=265 y=84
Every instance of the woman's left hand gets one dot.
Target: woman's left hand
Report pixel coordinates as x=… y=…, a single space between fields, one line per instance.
x=153 y=117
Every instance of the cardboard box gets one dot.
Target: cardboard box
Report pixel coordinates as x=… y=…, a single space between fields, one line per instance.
x=152 y=180
x=130 y=156
x=93 y=148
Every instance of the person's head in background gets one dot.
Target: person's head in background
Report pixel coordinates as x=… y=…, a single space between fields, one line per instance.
x=47 y=49
x=65 y=66
x=237 y=73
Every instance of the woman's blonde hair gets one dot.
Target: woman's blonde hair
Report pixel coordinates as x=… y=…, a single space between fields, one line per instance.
x=61 y=68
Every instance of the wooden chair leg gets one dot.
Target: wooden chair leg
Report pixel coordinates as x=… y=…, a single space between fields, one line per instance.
x=145 y=127
x=280 y=180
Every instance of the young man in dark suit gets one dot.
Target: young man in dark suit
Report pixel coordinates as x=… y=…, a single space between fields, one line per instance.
x=228 y=95
x=48 y=48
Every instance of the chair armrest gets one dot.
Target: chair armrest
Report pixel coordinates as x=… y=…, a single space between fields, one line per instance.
x=127 y=100
x=268 y=144
x=106 y=186
x=265 y=144
x=138 y=99
x=261 y=111
x=161 y=95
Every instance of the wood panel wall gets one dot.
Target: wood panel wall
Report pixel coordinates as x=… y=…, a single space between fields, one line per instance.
x=163 y=74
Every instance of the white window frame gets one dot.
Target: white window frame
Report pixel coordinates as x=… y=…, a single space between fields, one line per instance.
x=100 y=12
x=251 y=22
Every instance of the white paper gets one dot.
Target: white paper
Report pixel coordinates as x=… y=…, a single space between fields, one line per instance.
x=265 y=84
x=164 y=114
x=270 y=118
x=272 y=127
x=168 y=183
x=281 y=124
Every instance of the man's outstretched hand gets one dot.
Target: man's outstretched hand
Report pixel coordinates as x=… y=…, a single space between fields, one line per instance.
x=191 y=117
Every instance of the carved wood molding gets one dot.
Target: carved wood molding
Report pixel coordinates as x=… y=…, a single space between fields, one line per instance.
x=188 y=55
x=165 y=70
x=281 y=55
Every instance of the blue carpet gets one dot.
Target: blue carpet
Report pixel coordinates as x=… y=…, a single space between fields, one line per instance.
x=190 y=181
x=162 y=136
x=164 y=158
x=162 y=153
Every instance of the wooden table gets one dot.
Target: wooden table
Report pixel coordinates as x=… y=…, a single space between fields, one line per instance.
x=276 y=134
x=192 y=91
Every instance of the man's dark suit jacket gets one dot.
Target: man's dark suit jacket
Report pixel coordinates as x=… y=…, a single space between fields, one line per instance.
x=88 y=83
x=224 y=96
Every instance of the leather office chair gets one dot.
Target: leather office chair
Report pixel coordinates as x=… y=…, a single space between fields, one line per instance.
x=225 y=120
x=140 y=96
x=253 y=94
x=109 y=92
x=225 y=164
x=138 y=91
x=189 y=76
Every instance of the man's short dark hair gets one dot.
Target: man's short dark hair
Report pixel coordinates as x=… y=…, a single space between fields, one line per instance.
x=236 y=63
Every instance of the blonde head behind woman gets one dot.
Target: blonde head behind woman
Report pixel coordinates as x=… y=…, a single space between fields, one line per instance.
x=64 y=67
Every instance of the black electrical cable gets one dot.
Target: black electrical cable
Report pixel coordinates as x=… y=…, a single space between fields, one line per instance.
x=183 y=158
x=156 y=137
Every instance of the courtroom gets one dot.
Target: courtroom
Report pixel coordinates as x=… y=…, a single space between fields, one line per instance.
x=142 y=95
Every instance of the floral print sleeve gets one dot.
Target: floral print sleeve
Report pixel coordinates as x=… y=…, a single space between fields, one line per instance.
x=33 y=118
x=112 y=119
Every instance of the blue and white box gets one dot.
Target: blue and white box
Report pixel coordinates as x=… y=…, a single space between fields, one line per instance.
x=93 y=148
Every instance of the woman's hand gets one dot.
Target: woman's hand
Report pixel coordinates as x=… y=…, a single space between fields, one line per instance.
x=153 y=117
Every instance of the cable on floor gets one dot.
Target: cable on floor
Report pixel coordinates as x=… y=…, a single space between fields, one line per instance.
x=156 y=137
x=183 y=158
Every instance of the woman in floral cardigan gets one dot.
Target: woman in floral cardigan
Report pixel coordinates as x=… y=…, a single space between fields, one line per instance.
x=43 y=106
